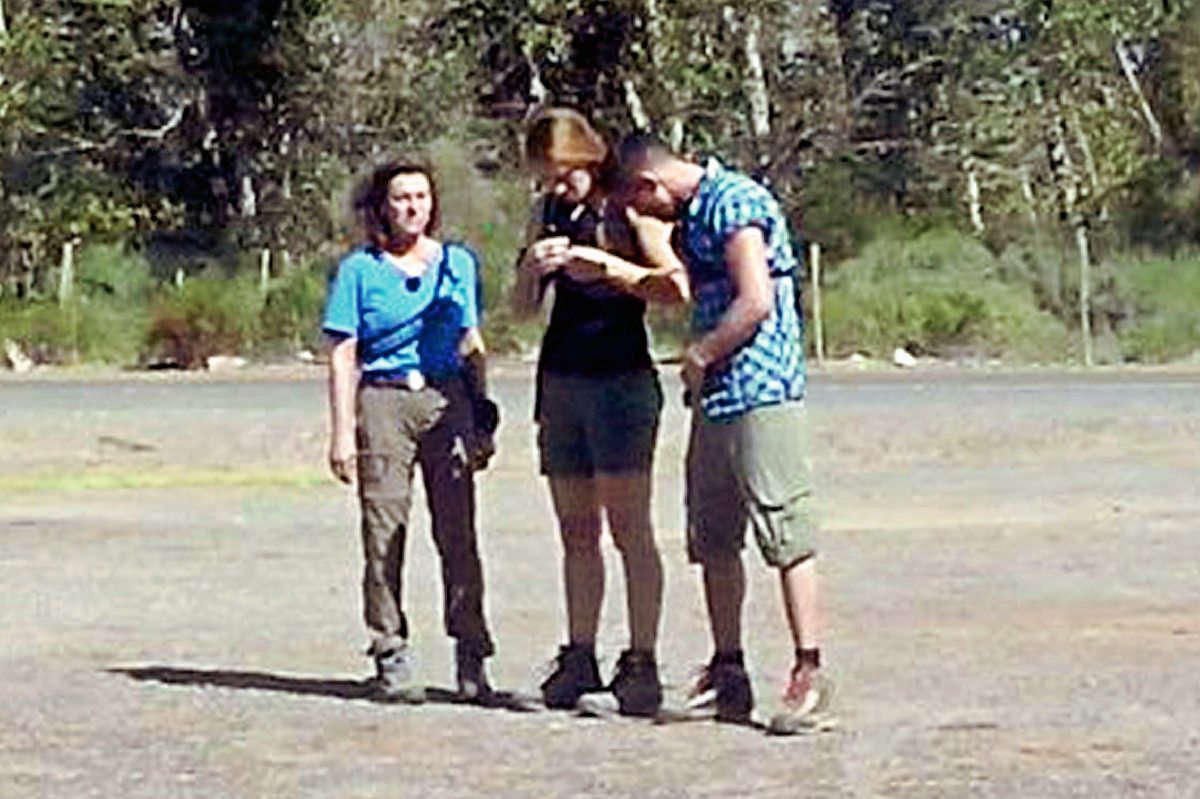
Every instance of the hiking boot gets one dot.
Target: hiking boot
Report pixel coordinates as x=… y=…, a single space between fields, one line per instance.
x=723 y=690
x=396 y=678
x=575 y=674
x=635 y=684
x=473 y=683
x=805 y=704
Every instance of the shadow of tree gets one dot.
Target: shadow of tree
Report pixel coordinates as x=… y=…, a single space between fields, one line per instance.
x=307 y=686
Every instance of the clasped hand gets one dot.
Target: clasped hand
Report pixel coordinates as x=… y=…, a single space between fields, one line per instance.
x=557 y=255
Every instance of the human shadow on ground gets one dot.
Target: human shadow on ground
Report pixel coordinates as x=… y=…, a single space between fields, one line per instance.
x=359 y=690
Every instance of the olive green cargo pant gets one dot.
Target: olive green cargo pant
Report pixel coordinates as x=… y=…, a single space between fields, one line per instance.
x=399 y=428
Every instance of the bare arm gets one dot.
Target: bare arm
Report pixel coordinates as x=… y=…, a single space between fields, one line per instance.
x=753 y=300
x=540 y=257
x=343 y=387
x=474 y=356
x=665 y=281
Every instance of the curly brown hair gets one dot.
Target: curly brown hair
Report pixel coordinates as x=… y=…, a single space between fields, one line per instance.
x=370 y=199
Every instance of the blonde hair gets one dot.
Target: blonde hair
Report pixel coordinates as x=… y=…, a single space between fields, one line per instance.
x=564 y=136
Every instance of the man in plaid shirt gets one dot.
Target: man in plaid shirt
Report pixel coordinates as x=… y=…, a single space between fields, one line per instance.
x=744 y=372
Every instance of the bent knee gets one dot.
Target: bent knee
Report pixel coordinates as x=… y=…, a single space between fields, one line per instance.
x=580 y=535
x=636 y=542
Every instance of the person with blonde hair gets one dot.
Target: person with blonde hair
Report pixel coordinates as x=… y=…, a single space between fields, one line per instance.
x=598 y=397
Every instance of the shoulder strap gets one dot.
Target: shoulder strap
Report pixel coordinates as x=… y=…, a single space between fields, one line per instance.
x=410 y=328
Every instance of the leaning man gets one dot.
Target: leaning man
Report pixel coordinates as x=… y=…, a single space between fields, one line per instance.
x=744 y=372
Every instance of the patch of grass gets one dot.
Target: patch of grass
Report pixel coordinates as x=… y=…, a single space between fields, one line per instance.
x=208 y=315
x=940 y=294
x=104 y=321
x=292 y=309
x=1165 y=296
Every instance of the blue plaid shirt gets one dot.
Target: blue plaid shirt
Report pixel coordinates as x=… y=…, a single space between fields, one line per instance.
x=769 y=368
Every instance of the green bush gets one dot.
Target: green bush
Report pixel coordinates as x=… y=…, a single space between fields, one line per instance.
x=941 y=294
x=41 y=328
x=209 y=315
x=291 y=314
x=103 y=321
x=1165 y=297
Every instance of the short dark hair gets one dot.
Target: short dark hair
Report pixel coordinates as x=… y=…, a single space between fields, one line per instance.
x=639 y=147
x=371 y=197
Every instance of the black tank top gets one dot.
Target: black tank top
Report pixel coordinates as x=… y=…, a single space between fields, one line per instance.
x=594 y=330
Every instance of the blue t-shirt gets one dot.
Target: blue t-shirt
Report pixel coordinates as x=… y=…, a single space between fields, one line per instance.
x=404 y=323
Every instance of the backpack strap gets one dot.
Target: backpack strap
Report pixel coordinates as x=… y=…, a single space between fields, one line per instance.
x=402 y=334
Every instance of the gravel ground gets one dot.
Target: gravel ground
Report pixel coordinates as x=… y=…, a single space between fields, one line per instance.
x=1010 y=563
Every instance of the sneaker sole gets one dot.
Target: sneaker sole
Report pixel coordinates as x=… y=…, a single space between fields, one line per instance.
x=814 y=717
x=402 y=696
x=805 y=725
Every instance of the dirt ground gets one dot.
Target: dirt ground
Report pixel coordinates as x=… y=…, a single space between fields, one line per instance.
x=1010 y=564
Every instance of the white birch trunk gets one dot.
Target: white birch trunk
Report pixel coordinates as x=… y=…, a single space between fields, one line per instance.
x=756 y=81
x=814 y=258
x=66 y=273
x=3 y=24
x=1027 y=192
x=1131 y=75
x=1068 y=182
x=676 y=137
x=249 y=200
x=637 y=111
x=973 y=201
x=1085 y=291
x=264 y=269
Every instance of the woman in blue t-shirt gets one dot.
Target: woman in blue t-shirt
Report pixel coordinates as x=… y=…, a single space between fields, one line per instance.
x=598 y=399
x=406 y=373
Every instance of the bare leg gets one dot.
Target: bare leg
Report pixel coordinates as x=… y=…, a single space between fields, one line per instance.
x=724 y=592
x=576 y=503
x=627 y=502
x=799 y=584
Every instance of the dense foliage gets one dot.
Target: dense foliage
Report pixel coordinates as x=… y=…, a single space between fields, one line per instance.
x=1053 y=146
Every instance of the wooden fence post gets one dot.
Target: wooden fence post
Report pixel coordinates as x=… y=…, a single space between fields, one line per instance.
x=814 y=259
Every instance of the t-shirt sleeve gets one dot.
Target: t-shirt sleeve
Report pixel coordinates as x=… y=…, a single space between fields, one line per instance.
x=342 y=308
x=467 y=288
x=746 y=205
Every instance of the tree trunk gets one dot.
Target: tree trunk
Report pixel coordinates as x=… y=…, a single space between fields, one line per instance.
x=633 y=102
x=264 y=270
x=1067 y=181
x=1085 y=288
x=756 y=81
x=1131 y=75
x=973 y=201
x=676 y=137
x=249 y=199
x=3 y=24
x=66 y=273
x=1089 y=161
x=814 y=259
x=1027 y=192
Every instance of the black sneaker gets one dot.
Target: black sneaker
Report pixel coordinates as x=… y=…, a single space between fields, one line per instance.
x=723 y=691
x=575 y=674
x=472 y=679
x=635 y=684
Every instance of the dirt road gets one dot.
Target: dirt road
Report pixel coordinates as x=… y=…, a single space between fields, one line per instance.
x=1011 y=572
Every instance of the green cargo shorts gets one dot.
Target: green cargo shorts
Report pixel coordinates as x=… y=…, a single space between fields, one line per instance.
x=754 y=468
